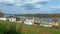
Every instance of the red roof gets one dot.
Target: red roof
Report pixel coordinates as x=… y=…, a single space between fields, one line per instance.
x=29 y=18
x=21 y=18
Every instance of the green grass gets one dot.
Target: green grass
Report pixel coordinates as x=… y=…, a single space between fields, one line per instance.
x=15 y=28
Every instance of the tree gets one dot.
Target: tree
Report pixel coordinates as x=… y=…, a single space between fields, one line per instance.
x=1 y=14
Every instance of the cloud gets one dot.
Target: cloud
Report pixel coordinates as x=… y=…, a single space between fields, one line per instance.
x=26 y=4
x=9 y=1
x=55 y=7
x=38 y=6
x=34 y=1
x=42 y=3
x=9 y=4
x=20 y=2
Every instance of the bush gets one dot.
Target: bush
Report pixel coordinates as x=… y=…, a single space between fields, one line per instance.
x=8 y=28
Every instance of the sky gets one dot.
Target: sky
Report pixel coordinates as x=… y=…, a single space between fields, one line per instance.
x=30 y=6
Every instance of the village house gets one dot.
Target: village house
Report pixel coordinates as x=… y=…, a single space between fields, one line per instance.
x=21 y=20
x=29 y=21
x=55 y=22
x=11 y=18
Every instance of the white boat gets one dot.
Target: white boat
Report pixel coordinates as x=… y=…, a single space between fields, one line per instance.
x=46 y=24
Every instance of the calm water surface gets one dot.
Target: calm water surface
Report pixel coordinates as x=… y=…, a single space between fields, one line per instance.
x=38 y=18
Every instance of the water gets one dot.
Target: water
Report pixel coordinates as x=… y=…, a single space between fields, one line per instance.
x=42 y=19
x=38 y=18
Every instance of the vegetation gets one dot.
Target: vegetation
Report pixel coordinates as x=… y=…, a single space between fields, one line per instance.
x=40 y=15
x=7 y=27
x=1 y=14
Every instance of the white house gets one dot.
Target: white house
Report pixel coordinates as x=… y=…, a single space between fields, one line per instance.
x=29 y=21
x=20 y=20
x=11 y=19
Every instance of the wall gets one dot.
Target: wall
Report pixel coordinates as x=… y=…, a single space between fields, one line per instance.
x=12 y=19
x=9 y=19
x=3 y=18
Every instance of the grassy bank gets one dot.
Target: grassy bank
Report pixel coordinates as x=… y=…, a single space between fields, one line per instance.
x=16 y=28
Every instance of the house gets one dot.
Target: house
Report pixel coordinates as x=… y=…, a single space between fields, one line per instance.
x=55 y=22
x=11 y=18
x=29 y=21
x=21 y=20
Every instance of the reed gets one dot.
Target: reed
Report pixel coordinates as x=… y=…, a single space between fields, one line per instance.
x=9 y=28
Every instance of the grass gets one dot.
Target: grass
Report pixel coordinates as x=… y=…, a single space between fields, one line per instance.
x=7 y=27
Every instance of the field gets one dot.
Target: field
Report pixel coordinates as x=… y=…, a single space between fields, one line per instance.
x=7 y=27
